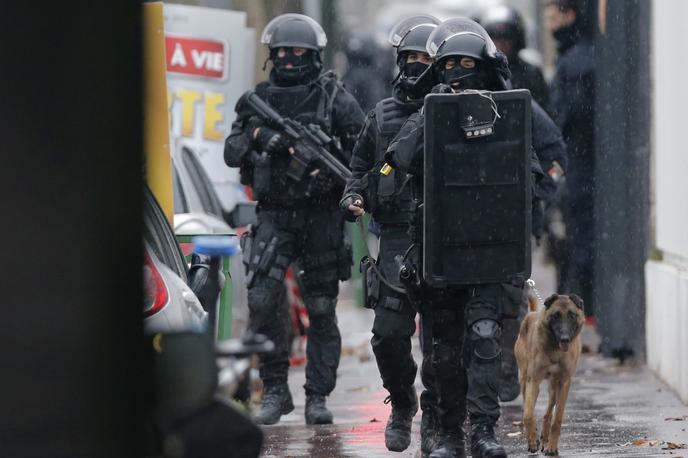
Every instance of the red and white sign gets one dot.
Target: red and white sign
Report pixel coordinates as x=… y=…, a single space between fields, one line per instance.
x=210 y=58
x=196 y=57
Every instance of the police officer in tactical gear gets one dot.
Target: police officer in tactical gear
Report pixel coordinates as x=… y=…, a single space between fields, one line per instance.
x=297 y=220
x=467 y=321
x=572 y=104
x=366 y=76
x=505 y=26
x=386 y=195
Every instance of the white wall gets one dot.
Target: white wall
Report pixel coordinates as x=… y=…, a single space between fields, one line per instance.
x=667 y=280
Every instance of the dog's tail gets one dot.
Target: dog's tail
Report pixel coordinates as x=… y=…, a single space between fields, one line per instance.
x=532 y=302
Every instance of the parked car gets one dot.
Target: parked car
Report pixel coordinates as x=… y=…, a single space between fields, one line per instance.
x=169 y=303
x=186 y=416
x=198 y=211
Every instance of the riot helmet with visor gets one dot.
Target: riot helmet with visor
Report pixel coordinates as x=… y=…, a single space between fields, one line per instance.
x=465 y=56
x=504 y=23
x=409 y=37
x=295 y=42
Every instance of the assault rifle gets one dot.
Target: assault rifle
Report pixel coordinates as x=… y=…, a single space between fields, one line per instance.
x=309 y=142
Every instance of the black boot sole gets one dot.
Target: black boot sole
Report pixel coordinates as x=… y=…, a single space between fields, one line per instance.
x=399 y=448
x=287 y=408
x=495 y=454
x=319 y=421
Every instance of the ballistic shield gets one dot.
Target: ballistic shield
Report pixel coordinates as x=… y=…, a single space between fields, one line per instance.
x=477 y=188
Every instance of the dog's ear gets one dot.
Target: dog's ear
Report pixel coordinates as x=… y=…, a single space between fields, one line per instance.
x=550 y=300
x=576 y=300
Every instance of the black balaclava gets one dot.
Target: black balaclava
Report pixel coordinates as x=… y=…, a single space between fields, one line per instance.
x=414 y=69
x=305 y=67
x=408 y=77
x=460 y=78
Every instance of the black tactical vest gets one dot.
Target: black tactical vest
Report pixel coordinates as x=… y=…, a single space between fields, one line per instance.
x=391 y=193
x=305 y=104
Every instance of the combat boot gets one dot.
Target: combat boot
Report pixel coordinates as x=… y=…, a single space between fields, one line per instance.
x=316 y=411
x=398 y=430
x=276 y=402
x=428 y=431
x=484 y=443
x=450 y=445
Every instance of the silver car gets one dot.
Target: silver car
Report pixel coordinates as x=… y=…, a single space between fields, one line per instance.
x=169 y=304
x=198 y=211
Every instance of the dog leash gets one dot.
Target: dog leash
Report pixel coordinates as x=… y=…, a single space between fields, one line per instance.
x=531 y=284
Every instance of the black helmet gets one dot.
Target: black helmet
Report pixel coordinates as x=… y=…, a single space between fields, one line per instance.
x=503 y=21
x=465 y=37
x=294 y=31
x=361 y=47
x=411 y=34
x=460 y=37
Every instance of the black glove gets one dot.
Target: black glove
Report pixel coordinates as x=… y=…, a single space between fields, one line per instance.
x=350 y=199
x=442 y=89
x=270 y=141
x=319 y=184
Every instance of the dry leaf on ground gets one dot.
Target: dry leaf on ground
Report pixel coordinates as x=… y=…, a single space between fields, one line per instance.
x=645 y=443
x=674 y=446
x=359 y=389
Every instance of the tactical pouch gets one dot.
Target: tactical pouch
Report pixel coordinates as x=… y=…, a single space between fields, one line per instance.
x=260 y=259
x=297 y=168
x=246 y=243
x=371 y=283
x=261 y=175
x=386 y=187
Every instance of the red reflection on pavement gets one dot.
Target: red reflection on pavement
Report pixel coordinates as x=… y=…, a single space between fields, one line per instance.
x=372 y=433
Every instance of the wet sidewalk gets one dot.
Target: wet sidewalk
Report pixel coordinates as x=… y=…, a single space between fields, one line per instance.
x=612 y=411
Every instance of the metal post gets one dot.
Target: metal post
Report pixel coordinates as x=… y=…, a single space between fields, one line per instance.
x=622 y=176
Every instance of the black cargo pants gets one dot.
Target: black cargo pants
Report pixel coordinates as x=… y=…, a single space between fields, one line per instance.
x=576 y=274
x=395 y=324
x=467 y=334
x=314 y=237
x=515 y=308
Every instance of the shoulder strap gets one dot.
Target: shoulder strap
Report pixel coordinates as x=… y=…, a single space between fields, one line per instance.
x=326 y=103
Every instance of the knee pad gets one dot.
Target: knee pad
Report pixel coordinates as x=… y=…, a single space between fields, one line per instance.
x=320 y=310
x=262 y=299
x=485 y=337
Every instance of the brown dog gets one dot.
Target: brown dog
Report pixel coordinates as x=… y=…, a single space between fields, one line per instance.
x=548 y=347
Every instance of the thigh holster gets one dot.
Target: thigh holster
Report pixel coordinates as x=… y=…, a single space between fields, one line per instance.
x=371 y=283
x=261 y=258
